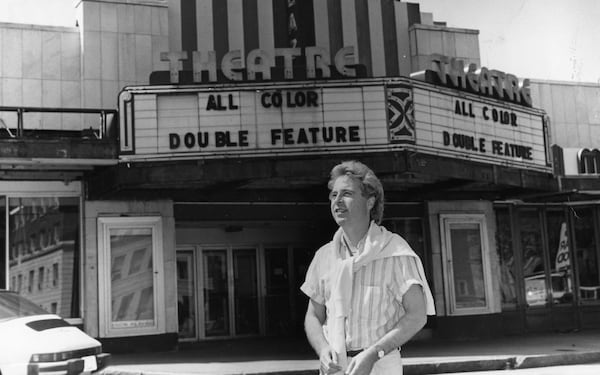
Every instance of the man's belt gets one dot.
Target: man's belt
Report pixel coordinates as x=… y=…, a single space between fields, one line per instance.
x=354 y=353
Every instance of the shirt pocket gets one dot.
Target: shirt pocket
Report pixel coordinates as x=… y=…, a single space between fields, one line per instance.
x=371 y=302
x=325 y=287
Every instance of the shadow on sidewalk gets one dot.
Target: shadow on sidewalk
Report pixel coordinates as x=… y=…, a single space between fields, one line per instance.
x=235 y=350
x=244 y=350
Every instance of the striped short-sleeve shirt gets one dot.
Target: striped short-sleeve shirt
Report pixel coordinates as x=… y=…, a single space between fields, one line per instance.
x=377 y=291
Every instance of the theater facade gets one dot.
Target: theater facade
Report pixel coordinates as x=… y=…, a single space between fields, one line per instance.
x=200 y=219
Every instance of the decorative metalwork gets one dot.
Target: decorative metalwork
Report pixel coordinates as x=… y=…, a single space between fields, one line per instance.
x=401 y=118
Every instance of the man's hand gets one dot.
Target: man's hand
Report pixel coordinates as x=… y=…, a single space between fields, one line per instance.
x=363 y=363
x=329 y=361
x=313 y=323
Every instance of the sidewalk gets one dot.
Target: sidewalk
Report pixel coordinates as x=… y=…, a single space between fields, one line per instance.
x=294 y=356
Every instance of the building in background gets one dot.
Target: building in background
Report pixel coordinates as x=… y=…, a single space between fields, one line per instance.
x=193 y=212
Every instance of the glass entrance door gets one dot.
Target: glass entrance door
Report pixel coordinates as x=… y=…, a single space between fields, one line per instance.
x=230 y=292
x=234 y=291
x=245 y=292
x=216 y=293
x=277 y=286
x=186 y=296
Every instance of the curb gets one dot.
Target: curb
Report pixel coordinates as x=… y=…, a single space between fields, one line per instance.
x=458 y=366
x=556 y=359
x=505 y=363
x=508 y=363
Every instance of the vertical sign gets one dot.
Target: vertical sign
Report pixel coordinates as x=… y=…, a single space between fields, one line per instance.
x=401 y=118
x=562 y=255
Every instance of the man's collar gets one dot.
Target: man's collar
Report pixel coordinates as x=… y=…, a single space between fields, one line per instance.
x=359 y=246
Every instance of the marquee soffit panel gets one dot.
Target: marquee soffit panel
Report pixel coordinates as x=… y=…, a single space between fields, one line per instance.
x=400 y=171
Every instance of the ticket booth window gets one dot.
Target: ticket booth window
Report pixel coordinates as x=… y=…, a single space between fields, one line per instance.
x=130 y=275
x=466 y=263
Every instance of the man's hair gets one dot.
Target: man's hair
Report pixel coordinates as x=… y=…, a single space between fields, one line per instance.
x=370 y=186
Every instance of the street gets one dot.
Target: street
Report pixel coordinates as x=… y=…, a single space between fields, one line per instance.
x=588 y=369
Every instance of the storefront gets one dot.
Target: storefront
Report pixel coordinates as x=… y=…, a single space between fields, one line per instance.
x=548 y=257
x=41 y=227
x=548 y=249
x=243 y=168
x=202 y=225
x=41 y=202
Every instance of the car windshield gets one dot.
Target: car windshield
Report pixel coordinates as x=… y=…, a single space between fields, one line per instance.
x=12 y=305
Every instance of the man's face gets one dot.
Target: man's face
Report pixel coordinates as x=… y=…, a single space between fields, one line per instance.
x=348 y=206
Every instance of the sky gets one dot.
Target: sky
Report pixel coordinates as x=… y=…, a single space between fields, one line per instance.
x=543 y=39
x=39 y=12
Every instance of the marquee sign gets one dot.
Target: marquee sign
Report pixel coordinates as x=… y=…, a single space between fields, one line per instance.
x=260 y=64
x=581 y=161
x=588 y=161
x=270 y=118
x=469 y=127
x=374 y=114
x=452 y=72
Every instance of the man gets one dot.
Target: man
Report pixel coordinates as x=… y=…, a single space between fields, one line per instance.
x=368 y=292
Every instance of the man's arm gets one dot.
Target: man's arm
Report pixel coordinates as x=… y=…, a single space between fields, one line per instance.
x=313 y=324
x=412 y=322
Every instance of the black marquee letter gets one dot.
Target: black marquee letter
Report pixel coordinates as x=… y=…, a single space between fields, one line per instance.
x=174 y=141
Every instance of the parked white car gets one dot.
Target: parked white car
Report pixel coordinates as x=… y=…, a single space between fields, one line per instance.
x=33 y=342
x=536 y=289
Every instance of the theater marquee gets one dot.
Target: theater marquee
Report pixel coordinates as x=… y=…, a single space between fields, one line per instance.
x=468 y=126
x=170 y=122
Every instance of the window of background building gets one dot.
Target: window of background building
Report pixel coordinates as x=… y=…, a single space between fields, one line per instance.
x=28 y=220
x=30 y=281
x=586 y=253
x=506 y=257
x=137 y=259
x=55 y=275
x=33 y=245
x=41 y=278
x=43 y=243
x=117 y=267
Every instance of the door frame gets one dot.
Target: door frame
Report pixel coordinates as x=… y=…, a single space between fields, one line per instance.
x=445 y=221
x=104 y=226
x=193 y=255
x=198 y=266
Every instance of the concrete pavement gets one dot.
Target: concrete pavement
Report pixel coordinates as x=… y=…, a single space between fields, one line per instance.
x=294 y=357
